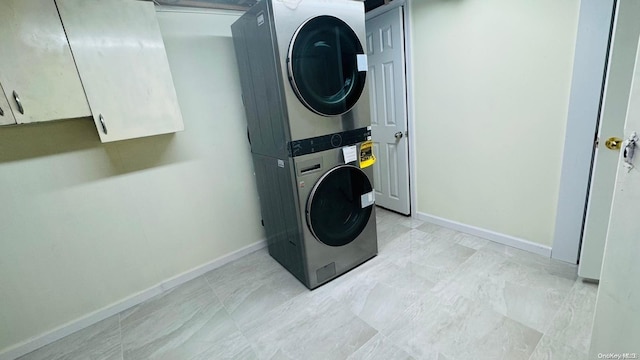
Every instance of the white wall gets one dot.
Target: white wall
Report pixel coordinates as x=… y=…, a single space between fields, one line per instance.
x=491 y=84
x=85 y=225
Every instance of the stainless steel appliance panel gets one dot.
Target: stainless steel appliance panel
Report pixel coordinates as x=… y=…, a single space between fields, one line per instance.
x=304 y=123
x=261 y=81
x=280 y=213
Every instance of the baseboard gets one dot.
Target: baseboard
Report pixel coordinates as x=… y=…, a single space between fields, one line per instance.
x=487 y=234
x=99 y=315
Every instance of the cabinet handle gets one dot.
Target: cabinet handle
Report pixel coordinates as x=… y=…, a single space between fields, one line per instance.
x=17 y=99
x=1 y=112
x=104 y=126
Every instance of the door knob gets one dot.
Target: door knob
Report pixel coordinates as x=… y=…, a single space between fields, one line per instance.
x=613 y=143
x=398 y=135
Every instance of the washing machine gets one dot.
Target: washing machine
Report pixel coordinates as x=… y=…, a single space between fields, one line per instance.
x=303 y=70
x=318 y=211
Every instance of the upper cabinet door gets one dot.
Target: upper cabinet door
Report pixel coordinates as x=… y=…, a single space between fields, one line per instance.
x=37 y=71
x=6 y=116
x=123 y=65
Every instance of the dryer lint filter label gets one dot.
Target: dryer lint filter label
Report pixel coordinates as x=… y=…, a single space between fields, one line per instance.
x=367 y=199
x=362 y=62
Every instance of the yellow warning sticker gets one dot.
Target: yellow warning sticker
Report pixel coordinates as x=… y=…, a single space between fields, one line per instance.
x=366 y=154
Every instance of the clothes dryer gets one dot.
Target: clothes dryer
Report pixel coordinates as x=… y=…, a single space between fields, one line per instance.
x=303 y=68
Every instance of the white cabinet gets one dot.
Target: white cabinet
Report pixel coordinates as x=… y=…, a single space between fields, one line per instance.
x=37 y=71
x=123 y=65
x=6 y=116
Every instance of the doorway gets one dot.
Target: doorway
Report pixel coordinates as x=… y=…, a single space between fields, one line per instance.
x=588 y=172
x=605 y=160
x=389 y=114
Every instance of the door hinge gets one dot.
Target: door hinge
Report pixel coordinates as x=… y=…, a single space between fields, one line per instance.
x=596 y=142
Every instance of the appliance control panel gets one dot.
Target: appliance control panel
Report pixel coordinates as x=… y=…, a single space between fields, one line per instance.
x=327 y=142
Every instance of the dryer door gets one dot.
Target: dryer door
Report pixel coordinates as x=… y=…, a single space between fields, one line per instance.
x=327 y=66
x=339 y=205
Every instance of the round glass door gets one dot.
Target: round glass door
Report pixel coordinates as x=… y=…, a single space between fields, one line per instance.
x=323 y=65
x=335 y=214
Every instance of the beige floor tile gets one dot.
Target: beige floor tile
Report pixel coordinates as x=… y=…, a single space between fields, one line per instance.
x=447 y=323
x=380 y=348
x=100 y=341
x=573 y=321
x=550 y=349
x=431 y=293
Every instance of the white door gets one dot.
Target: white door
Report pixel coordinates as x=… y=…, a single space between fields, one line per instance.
x=616 y=327
x=616 y=94
x=387 y=90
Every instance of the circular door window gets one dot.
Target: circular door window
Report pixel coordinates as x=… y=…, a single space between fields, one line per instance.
x=335 y=213
x=323 y=65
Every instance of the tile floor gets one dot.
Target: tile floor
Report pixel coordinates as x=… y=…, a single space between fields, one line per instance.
x=431 y=293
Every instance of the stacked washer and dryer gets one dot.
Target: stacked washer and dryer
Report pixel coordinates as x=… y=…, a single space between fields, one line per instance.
x=302 y=68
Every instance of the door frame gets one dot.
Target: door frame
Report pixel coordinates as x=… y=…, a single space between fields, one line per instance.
x=409 y=84
x=574 y=182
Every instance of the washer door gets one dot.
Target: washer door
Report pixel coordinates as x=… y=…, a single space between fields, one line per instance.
x=336 y=211
x=323 y=65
